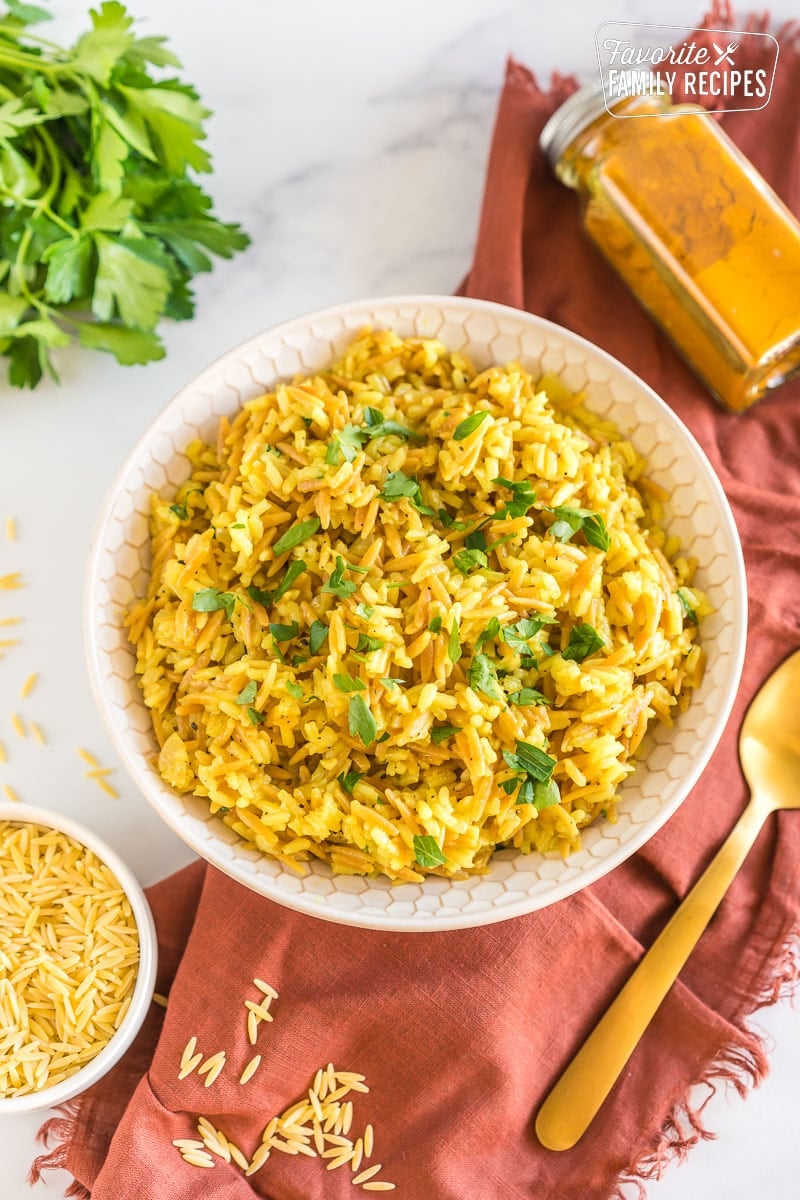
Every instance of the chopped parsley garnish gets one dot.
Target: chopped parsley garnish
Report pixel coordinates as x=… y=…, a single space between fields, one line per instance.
x=316 y=636
x=454 y=643
x=180 y=510
x=294 y=689
x=435 y=625
x=491 y=631
x=440 y=733
x=337 y=584
x=469 y=425
x=295 y=535
x=467 y=561
x=533 y=770
x=476 y=540
x=366 y=645
x=517 y=636
x=390 y=683
x=527 y=697
x=349 y=779
x=379 y=426
x=284 y=633
x=360 y=720
x=524 y=497
x=570 y=520
x=450 y=522
x=427 y=851
x=248 y=693
x=346 y=683
x=212 y=599
x=256 y=718
x=482 y=677
x=583 y=641
x=298 y=659
x=400 y=486
x=687 y=606
x=293 y=571
x=530 y=760
x=344 y=445
x=365 y=611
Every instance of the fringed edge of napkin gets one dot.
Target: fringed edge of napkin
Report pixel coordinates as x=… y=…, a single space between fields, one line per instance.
x=741 y=1064
x=60 y=1130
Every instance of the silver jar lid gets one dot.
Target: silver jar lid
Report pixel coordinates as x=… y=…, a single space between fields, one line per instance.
x=578 y=112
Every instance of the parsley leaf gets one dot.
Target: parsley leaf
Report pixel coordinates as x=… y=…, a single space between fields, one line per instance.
x=687 y=606
x=450 y=522
x=583 y=641
x=469 y=425
x=360 y=720
x=570 y=521
x=337 y=584
x=440 y=733
x=300 y=532
x=379 y=426
x=365 y=611
x=256 y=718
x=294 y=689
x=390 y=683
x=435 y=625
x=427 y=851
x=212 y=599
x=399 y=486
x=527 y=697
x=366 y=644
x=346 y=683
x=284 y=633
x=491 y=631
x=530 y=760
x=248 y=693
x=293 y=571
x=345 y=445
x=517 y=636
x=524 y=497
x=454 y=644
x=317 y=635
x=482 y=677
x=467 y=561
x=349 y=779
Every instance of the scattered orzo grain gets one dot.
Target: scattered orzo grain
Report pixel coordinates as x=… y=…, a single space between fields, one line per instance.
x=18 y=725
x=160 y=1000
x=28 y=685
x=87 y=757
x=10 y=793
x=11 y=529
x=37 y=732
x=250 y=1069
x=9 y=583
x=378 y=1185
x=70 y=951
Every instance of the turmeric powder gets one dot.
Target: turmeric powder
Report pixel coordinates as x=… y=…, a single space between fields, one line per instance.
x=696 y=233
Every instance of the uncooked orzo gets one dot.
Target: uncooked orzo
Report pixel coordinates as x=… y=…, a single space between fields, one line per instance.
x=403 y=612
x=69 y=955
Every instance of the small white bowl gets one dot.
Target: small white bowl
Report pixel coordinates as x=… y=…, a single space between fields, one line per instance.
x=114 y=1049
x=698 y=513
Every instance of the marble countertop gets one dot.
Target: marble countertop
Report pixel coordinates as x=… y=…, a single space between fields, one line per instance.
x=351 y=141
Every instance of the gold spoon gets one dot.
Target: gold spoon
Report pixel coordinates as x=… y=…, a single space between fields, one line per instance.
x=769 y=751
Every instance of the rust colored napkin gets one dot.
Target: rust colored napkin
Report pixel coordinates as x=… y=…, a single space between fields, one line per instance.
x=462 y=1034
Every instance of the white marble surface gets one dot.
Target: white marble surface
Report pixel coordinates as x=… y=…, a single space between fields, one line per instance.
x=351 y=140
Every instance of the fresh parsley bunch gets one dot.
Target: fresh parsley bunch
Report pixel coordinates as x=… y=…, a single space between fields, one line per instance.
x=101 y=225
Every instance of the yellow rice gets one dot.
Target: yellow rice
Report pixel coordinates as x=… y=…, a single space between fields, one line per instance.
x=259 y=727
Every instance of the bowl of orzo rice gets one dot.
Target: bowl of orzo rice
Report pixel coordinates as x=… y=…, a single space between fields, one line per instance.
x=78 y=956
x=416 y=613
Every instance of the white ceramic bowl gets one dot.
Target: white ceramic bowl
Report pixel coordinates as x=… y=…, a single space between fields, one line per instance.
x=113 y=1051
x=698 y=514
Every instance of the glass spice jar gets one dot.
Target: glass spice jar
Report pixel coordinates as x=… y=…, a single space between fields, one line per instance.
x=696 y=233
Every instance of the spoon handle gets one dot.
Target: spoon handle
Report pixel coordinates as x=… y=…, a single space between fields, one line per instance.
x=574 y=1101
